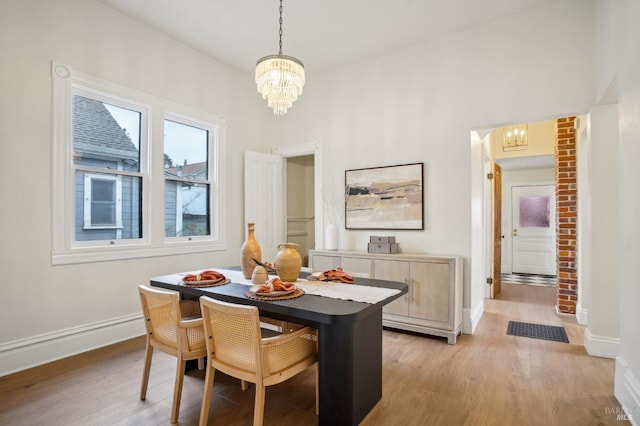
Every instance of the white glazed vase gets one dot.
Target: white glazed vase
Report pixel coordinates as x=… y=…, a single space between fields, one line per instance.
x=331 y=237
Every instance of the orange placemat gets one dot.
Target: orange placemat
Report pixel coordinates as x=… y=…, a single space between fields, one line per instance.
x=204 y=284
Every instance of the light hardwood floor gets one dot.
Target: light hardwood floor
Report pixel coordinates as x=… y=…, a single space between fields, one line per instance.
x=488 y=378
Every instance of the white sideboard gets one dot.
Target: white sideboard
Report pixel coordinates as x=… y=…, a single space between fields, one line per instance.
x=433 y=304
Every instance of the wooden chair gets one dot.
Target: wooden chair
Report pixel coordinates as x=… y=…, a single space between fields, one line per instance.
x=173 y=327
x=235 y=347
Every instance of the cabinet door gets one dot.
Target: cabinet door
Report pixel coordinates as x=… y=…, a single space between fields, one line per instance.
x=394 y=270
x=429 y=296
x=321 y=262
x=357 y=266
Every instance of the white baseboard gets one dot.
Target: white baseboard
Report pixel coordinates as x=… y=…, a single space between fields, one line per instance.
x=582 y=314
x=602 y=346
x=26 y=353
x=471 y=318
x=627 y=391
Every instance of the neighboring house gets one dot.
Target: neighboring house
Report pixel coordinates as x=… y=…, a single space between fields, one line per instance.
x=186 y=209
x=107 y=203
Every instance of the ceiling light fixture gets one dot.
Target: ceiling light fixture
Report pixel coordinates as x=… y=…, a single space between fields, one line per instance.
x=515 y=138
x=280 y=78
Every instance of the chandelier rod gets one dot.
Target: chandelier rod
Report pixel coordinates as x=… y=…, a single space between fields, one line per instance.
x=280 y=51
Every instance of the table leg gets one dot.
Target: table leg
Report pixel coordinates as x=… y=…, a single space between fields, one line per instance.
x=350 y=375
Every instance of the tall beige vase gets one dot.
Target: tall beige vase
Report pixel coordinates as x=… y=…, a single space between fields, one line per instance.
x=250 y=250
x=288 y=261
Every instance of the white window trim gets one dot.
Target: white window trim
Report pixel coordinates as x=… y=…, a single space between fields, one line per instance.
x=65 y=250
x=88 y=200
x=198 y=120
x=179 y=212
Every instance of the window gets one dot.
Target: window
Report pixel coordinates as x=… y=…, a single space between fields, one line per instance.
x=102 y=202
x=106 y=138
x=186 y=170
x=106 y=148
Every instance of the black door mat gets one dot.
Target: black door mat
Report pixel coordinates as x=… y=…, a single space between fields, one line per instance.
x=538 y=331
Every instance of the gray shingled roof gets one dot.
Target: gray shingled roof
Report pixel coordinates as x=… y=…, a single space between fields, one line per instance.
x=188 y=170
x=97 y=134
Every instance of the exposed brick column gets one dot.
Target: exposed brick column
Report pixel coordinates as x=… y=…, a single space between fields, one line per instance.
x=566 y=212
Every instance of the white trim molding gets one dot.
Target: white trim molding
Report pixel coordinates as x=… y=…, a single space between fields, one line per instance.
x=582 y=313
x=471 y=318
x=22 y=354
x=602 y=346
x=627 y=391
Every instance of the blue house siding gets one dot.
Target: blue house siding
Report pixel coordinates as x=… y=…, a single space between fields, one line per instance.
x=131 y=205
x=170 y=203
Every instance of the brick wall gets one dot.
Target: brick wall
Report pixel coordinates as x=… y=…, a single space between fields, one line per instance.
x=566 y=211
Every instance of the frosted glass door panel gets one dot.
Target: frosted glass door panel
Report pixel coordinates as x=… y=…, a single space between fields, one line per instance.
x=534 y=212
x=533 y=235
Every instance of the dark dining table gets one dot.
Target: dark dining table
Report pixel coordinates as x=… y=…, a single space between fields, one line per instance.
x=349 y=340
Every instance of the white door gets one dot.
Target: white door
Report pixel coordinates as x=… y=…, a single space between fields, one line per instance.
x=534 y=231
x=264 y=200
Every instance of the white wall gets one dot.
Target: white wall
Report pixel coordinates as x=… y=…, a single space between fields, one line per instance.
x=48 y=312
x=602 y=335
x=583 y=224
x=624 y=23
x=420 y=104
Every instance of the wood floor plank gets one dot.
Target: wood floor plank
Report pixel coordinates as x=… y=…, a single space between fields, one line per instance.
x=488 y=378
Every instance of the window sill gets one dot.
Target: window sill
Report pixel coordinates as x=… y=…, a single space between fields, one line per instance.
x=105 y=254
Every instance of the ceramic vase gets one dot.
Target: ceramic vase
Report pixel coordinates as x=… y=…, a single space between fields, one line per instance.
x=259 y=275
x=288 y=261
x=331 y=237
x=250 y=250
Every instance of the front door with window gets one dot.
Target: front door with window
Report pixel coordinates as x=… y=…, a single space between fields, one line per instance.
x=533 y=234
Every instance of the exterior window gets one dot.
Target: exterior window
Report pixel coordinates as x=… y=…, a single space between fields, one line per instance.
x=108 y=141
x=102 y=201
x=187 y=188
x=106 y=137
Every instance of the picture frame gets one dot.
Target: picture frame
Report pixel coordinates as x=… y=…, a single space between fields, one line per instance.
x=388 y=197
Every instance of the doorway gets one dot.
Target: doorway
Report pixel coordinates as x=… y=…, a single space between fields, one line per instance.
x=529 y=248
x=300 y=226
x=267 y=194
x=533 y=231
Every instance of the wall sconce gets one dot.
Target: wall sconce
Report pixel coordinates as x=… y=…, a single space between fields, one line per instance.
x=515 y=138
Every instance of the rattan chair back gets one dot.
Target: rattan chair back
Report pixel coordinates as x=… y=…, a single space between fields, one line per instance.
x=235 y=346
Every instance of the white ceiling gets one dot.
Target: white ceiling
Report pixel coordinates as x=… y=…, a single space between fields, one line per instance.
x=324 y=34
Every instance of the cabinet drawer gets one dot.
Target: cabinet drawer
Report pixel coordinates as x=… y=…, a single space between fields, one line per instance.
x=323 y=262
x=357 y=266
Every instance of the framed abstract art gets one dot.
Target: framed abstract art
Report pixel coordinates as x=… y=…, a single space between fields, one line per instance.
x=389 y=197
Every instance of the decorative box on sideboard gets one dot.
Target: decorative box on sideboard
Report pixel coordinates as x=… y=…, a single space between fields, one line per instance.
x=433 y=304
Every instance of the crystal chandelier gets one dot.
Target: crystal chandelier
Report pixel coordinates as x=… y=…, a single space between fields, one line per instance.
x=280 y=78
